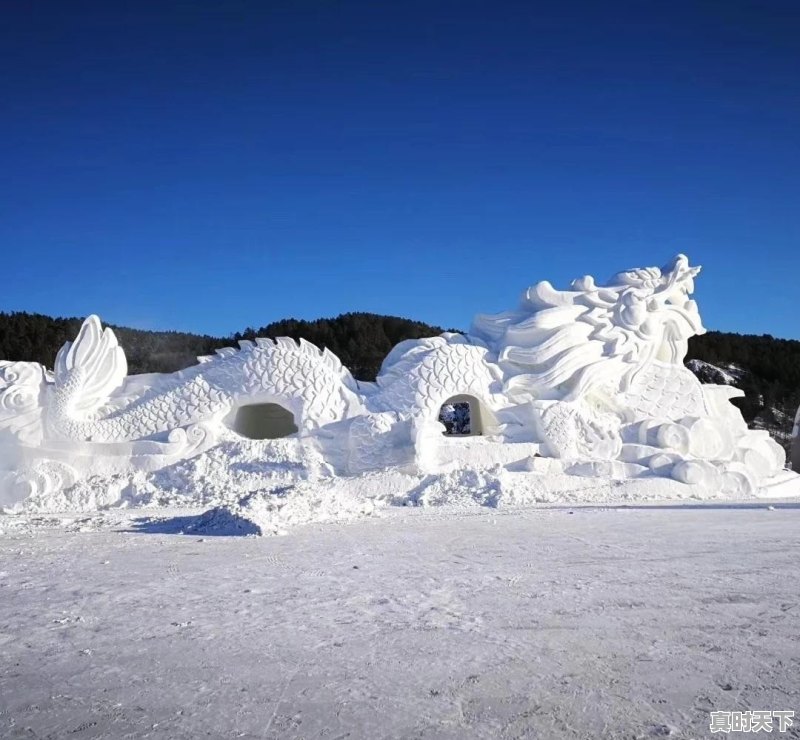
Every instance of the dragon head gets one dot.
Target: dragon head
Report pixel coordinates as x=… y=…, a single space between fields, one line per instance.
x=653 y=309
x=561 y=344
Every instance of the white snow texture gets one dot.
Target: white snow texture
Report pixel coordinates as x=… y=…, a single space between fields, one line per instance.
x=584 y=383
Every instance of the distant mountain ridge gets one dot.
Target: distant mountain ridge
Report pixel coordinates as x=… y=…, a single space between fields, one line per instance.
x=767 y=369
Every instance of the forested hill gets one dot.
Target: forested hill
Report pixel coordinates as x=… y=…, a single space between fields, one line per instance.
x=766 y=368
x=360 y=340
x=761 y=364
x=35 y=337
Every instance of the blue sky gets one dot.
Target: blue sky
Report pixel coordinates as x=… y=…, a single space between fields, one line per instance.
x=208 y=166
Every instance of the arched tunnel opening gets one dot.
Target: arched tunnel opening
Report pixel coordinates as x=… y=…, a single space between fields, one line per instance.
x=261 y=421
x=462 y=416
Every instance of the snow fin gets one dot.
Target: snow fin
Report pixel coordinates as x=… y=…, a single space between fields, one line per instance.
x=97 y=360
x=286 y=343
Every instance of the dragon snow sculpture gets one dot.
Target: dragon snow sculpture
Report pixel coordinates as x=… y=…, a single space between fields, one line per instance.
x=592 y=376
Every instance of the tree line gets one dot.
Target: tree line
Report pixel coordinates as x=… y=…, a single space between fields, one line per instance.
x=768 y=368
x=360 y=340
x=768 y=371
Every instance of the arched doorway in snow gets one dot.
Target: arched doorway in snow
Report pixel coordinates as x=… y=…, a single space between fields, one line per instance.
x=464 y=416
x=261 y=421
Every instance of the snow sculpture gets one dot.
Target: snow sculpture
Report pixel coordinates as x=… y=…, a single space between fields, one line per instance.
x=591 y=377
x=796 y=443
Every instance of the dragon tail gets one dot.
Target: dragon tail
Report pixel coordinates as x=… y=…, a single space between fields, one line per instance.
x=90 y=368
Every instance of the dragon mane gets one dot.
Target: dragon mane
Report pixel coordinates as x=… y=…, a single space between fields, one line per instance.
x=565 y=344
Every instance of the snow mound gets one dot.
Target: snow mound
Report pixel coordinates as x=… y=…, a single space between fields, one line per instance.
x=227 y=521
x=220 y=475
x=499 y=487
x=275 y=511
x=267 y=487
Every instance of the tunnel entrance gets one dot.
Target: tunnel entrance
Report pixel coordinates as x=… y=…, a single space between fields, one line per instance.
x=462 y=416
x=261 y=421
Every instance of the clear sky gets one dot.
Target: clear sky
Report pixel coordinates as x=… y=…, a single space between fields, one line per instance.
x=208 y=166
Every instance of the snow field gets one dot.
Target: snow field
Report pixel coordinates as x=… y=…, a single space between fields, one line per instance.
x=593 y=622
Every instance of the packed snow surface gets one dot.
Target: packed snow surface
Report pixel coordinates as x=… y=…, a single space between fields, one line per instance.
x=550 y=622
x=488 y=600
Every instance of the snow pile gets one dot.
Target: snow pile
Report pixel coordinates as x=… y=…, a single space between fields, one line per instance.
x=269 y=486
x=500 y=487
x=218 y=476
x=275 y=511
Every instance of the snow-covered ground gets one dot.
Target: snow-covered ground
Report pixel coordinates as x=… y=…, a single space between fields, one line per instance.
x=594 y=622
